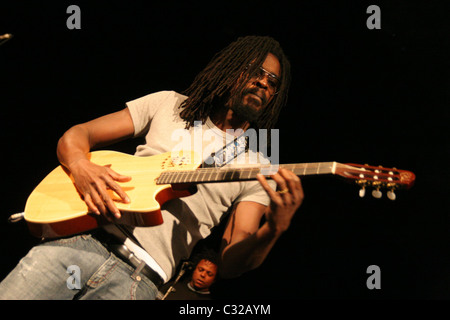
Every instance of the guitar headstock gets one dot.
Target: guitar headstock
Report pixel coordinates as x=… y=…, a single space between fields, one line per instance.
x=377 y=178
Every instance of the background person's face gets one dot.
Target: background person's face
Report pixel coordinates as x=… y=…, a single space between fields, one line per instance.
x=204 y=275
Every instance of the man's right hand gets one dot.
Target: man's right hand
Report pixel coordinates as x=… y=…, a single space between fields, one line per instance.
x=93 y=181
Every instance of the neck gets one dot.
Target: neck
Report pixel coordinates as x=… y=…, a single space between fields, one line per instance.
x=226 y=119
x=242 y=173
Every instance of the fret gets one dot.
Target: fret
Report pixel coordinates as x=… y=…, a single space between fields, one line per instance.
x=228 y=175
x=174 y=177
x=255 y=172
x=297 y=168
x=211 y=176
x=208 y=176
x=161 y=179
x=192 y=176
x=201 y=175
x=187 y=176
x=216 y=178
x=250 y=173
x=179 y=177
x=233 y=174
x=220 y=175
x=327 y=167
x=301 y=169
x=311 y=169
x=167 y=177
x=182 y=177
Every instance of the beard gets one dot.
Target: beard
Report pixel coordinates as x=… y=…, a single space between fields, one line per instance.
x=247 y=106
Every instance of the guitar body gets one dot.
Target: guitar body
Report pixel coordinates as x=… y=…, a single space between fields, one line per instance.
x=55 y=208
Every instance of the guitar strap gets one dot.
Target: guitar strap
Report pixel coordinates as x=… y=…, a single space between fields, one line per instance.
x=227 y=153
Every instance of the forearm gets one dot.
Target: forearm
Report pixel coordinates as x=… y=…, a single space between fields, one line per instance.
x=73 y=146
x=246 y=245
x=249 y=253
x=82 y=138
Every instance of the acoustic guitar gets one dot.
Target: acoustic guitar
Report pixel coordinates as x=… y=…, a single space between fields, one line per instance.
x=55 y=208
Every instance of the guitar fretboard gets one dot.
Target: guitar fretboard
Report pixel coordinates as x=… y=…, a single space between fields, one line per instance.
x=225 y=174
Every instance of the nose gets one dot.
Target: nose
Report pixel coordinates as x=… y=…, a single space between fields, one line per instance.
x=261 y=82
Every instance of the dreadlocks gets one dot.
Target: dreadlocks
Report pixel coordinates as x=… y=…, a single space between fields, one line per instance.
x=213 y=85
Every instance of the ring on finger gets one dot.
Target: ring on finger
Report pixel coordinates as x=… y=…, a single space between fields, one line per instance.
x=286 y=190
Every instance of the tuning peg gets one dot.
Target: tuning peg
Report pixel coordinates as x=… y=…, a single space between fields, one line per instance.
x=391 y=195
x=362 y=192
x=377 y=194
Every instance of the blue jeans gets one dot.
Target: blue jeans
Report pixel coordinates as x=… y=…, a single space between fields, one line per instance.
x=51 y=270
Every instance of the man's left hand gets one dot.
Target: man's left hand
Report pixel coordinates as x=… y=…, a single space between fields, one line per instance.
x=285 y=201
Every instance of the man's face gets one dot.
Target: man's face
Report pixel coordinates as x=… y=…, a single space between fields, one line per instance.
x=258 y=92
x=204 y=275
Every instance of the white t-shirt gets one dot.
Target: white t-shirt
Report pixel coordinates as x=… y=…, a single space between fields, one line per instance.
x=186 y=220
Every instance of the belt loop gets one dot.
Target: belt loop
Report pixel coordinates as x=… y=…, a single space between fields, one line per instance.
x=135 y=276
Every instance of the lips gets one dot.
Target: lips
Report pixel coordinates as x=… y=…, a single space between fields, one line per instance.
x=257 y=94
x=199 y=283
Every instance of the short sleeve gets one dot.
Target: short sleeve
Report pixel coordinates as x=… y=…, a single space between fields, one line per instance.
x=143 y=110
x=254 y=192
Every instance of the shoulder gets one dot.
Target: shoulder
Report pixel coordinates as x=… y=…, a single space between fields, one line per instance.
x=143 y=110
x=170 y=95
x=160 y=97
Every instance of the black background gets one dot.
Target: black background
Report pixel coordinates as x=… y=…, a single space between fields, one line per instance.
x=358 y=95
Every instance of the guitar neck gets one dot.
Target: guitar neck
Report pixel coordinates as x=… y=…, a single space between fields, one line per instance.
x=244 y=173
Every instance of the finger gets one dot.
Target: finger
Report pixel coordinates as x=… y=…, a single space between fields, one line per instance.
x=91 y=206
x=288 y=175
x=285 y=182
x=106 y=200
x=275 y=196
x=111 y=184
x=99 y=203
x=110 y=205
x=262 y=180
x=294 y=184
x=281 y=182
x=117 y=176
x=291 y=180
